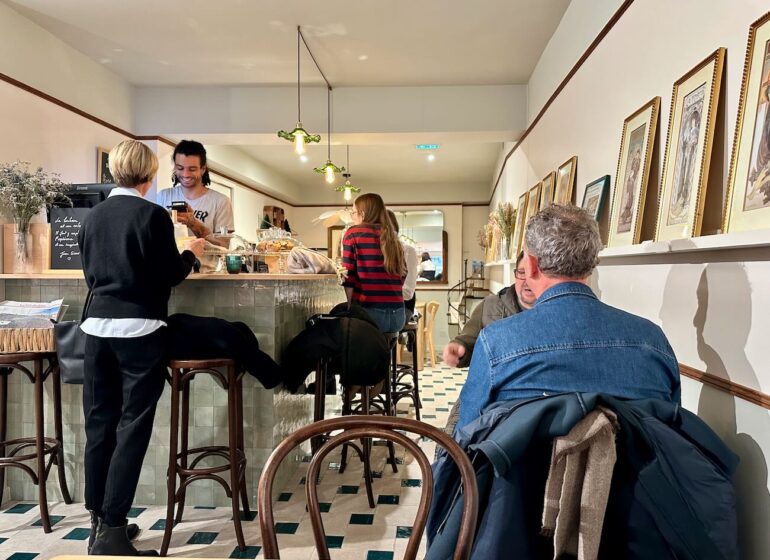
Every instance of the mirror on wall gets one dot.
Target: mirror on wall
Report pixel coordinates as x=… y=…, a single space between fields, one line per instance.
x=424 y=229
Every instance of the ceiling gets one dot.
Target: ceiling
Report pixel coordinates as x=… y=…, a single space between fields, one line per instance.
x=385 y=164
x=356 y=42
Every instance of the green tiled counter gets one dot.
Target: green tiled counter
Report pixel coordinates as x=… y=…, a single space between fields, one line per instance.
x=274 y=306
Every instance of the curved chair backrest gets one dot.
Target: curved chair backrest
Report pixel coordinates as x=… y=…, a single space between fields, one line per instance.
x=357 y=427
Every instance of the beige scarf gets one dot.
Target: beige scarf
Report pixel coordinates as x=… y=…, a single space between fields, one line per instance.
x=579 y=484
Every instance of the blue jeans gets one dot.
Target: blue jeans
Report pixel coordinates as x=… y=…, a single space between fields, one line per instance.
x=388 y=319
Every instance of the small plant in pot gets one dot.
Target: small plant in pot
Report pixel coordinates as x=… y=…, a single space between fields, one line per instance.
x=23 y=194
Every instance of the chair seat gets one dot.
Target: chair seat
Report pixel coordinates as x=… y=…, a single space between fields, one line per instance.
x=200 y=364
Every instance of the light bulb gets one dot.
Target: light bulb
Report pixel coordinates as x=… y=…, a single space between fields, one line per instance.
x=347 y=194
x=329 y=173
x=299 y=143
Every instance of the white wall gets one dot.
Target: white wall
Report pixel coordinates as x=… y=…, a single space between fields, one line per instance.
x=34 y=56
x=712 y=305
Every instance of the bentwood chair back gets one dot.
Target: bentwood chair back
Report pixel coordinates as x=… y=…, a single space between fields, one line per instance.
x=356 y=428
x=430 y=318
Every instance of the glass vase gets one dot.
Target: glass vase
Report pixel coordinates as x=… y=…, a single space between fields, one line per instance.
x=21 y=247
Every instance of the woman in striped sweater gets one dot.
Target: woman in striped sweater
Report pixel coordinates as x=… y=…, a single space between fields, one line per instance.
x=374 y=259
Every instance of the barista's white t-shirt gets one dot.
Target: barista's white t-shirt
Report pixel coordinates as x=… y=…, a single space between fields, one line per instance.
x=213 y=208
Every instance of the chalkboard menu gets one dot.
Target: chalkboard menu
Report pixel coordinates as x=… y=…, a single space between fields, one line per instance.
x=65 y=226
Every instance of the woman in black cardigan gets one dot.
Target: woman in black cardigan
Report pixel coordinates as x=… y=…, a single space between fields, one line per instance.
x=131 y=262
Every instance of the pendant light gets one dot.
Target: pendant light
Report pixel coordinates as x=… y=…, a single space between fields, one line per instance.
x=347 y=189
x=299 y=135
x=329 y=169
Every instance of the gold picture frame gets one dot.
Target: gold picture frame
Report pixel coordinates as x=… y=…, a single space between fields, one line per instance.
x=565 y=181
x=546 y=190
x=628 y=195
x=533 y=202
x=103 y=174
x=521 y=214
x=694 y=105
x=748 y=186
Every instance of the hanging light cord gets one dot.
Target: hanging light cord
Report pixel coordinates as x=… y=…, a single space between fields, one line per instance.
x=299 y=32
x=299 y=105
x=329 y=124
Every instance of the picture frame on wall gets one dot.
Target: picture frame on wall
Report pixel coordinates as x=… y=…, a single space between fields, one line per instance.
x=533 y=202
x=689 y=140
x=628 y=195
x=748 y=190
x=565 y=181
x=546 y=190
x=103 y=174
x=594 y=195
x=521 y=214
x=334 y=242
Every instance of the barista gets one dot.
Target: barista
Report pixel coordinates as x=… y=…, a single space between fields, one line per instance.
x=205 y=211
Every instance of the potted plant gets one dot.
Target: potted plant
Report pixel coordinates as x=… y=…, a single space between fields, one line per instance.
x=24 y=193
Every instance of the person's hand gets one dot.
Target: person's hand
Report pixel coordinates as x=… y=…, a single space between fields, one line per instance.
x=195 y=246
x=452 y=354
x=187 y=217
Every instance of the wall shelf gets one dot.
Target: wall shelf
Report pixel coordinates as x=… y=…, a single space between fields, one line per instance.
x=721 y=242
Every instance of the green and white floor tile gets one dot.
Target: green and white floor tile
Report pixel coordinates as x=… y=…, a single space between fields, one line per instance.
x=354 y=531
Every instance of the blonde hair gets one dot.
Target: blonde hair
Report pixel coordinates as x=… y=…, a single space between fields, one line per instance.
x=132 y=163
x=371 y=208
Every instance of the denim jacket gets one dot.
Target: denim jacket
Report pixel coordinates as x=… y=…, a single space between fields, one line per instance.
x=569 y=341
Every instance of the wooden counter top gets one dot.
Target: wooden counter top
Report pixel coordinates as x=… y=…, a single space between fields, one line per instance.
x=78 y=275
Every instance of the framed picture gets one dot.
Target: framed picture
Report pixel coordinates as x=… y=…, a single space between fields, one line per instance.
x=334 y=242
x=103 y=174
x=748 y=191
x=546 y=191
x=533 y=201
x=565 y=181
x=628 y=195
x=688 y=149
x=594 y=195
x=518 y=232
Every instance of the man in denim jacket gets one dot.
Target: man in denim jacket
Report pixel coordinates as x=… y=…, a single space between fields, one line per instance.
x=569 y=340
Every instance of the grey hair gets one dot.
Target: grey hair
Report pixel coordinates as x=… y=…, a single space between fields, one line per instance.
x=565 y=240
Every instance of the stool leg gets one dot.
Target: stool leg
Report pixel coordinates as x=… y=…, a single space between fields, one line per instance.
x=242 y=448
x=390 y=410
x=3 y=423
x=366 y=449
x=184 y=442
x=39 y=446
x=172 y=471
x=319 y=404
x=56 y=380
x=346 y=398
x=415 y=384
x=232 y=432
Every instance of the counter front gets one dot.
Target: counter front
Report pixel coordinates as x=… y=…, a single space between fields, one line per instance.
x=274 y=306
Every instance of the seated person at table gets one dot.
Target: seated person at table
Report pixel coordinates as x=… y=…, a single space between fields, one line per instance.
x=506 y=302
x=569 y=340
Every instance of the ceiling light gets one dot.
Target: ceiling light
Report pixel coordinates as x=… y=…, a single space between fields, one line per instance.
x=431 y=157
x=347 y=189
x=363 y=57
x=303 y=158
x=299 y=135
x=329 y=169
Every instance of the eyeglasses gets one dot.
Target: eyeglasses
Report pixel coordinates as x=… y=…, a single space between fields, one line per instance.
x=519 y=273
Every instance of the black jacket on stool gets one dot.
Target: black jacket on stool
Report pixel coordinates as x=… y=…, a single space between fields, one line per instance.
x=201 y=338
x=356 y=346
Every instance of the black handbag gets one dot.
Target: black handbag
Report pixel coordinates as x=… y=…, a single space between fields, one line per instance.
x=71 y=347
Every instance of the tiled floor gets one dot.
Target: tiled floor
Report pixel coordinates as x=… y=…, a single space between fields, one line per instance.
x=354 y=531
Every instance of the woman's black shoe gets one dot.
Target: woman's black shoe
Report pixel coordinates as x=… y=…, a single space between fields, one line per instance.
x=132 y=530
x=113 y=541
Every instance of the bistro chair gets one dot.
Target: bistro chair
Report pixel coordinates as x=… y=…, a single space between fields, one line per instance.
x=430 y=318
x=357 y=428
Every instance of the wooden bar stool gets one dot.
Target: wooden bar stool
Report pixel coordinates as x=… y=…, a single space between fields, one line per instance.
x=234 y=455
x=53 y=447
x=401 y=386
